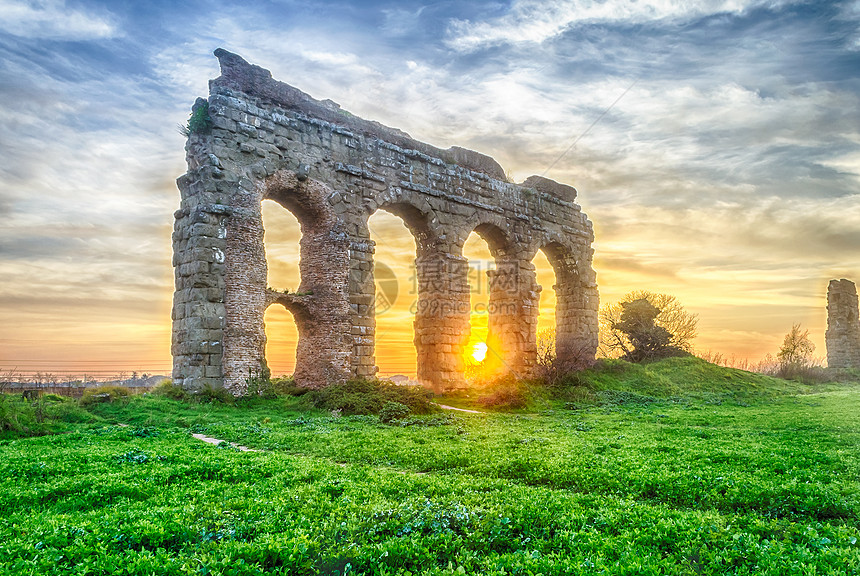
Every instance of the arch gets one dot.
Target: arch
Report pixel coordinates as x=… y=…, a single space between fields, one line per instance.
x=395 y=284
x=575 y=311
x=306 y=342
x=282 y=336
x=282 y=234
x=285 y=287
x=305 y=198
x=362 y=285
x=495 y=237
x=439 y=285
x=317 y=303
x=418 y=218
x=510 y=284
x=493 y=228
x=562 y=259
x=281 y=245
x=479 y=351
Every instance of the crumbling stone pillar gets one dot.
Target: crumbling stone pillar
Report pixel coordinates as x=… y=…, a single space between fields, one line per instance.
x=512 y=322
x=362 y=303
x=442 y=319
x=843 y=325
x=576 y=309
x=199 y=244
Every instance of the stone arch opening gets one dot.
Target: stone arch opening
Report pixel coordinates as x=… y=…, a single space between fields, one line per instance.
x=282 y=337
x=396 y=289
x=317 y=301
x=305 y=199
x=439 y=284
x=512 y=300
x=505 y=310
x=545 y=326
x=281 y=242
x=416 y=221
x=478 y=352
x=575 y=312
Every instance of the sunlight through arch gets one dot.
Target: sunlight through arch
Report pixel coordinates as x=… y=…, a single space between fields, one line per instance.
x=545 y=274
x=396 y=294
x=281 y=240
x=480 y=260
x=282 y=336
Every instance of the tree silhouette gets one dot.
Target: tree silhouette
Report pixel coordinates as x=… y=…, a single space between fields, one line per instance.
x=797 y=349
x=646 y=325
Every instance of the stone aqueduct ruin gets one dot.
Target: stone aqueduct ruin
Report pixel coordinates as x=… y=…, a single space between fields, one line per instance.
x=333 y=170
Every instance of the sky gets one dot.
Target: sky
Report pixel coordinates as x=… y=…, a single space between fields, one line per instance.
x=715 y=146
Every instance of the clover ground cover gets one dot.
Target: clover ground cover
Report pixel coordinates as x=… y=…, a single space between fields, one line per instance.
x=657 y=487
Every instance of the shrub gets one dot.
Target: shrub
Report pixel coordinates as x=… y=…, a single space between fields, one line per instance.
x=260 y=384
x=505 y=393
x=170 y=390
x=369 y=396
x=71 y=413
x=844 y=374
x=392 y=411
x=104 y=394
x=210 y=394
x=14 y=414
x=807 y=374
x=795 y=359
x=286 y=386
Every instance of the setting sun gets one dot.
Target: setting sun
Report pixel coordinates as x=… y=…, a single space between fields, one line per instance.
x=479 y=351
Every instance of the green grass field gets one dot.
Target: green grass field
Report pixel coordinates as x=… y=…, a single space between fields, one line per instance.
x=679 y=467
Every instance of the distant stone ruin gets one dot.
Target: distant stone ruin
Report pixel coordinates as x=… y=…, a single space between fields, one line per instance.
x=258 y=139
x=843 y=325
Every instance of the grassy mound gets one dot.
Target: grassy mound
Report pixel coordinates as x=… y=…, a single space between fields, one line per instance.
x=619 y=382
x=687 y=377
x=370 y=397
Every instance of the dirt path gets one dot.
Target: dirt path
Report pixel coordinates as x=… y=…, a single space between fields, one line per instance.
x=444 y=407
x=216 y=441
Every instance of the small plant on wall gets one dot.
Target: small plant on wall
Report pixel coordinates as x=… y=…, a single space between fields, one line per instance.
x=200 y=122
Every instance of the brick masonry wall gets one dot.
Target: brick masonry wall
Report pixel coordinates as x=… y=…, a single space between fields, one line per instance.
x=333 y=170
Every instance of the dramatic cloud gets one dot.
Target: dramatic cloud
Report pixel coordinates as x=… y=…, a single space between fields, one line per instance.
x=535 y=21
x=53 y=20
x=715 y=146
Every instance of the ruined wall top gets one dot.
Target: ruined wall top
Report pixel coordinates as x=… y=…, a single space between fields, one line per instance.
x=238 y=74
